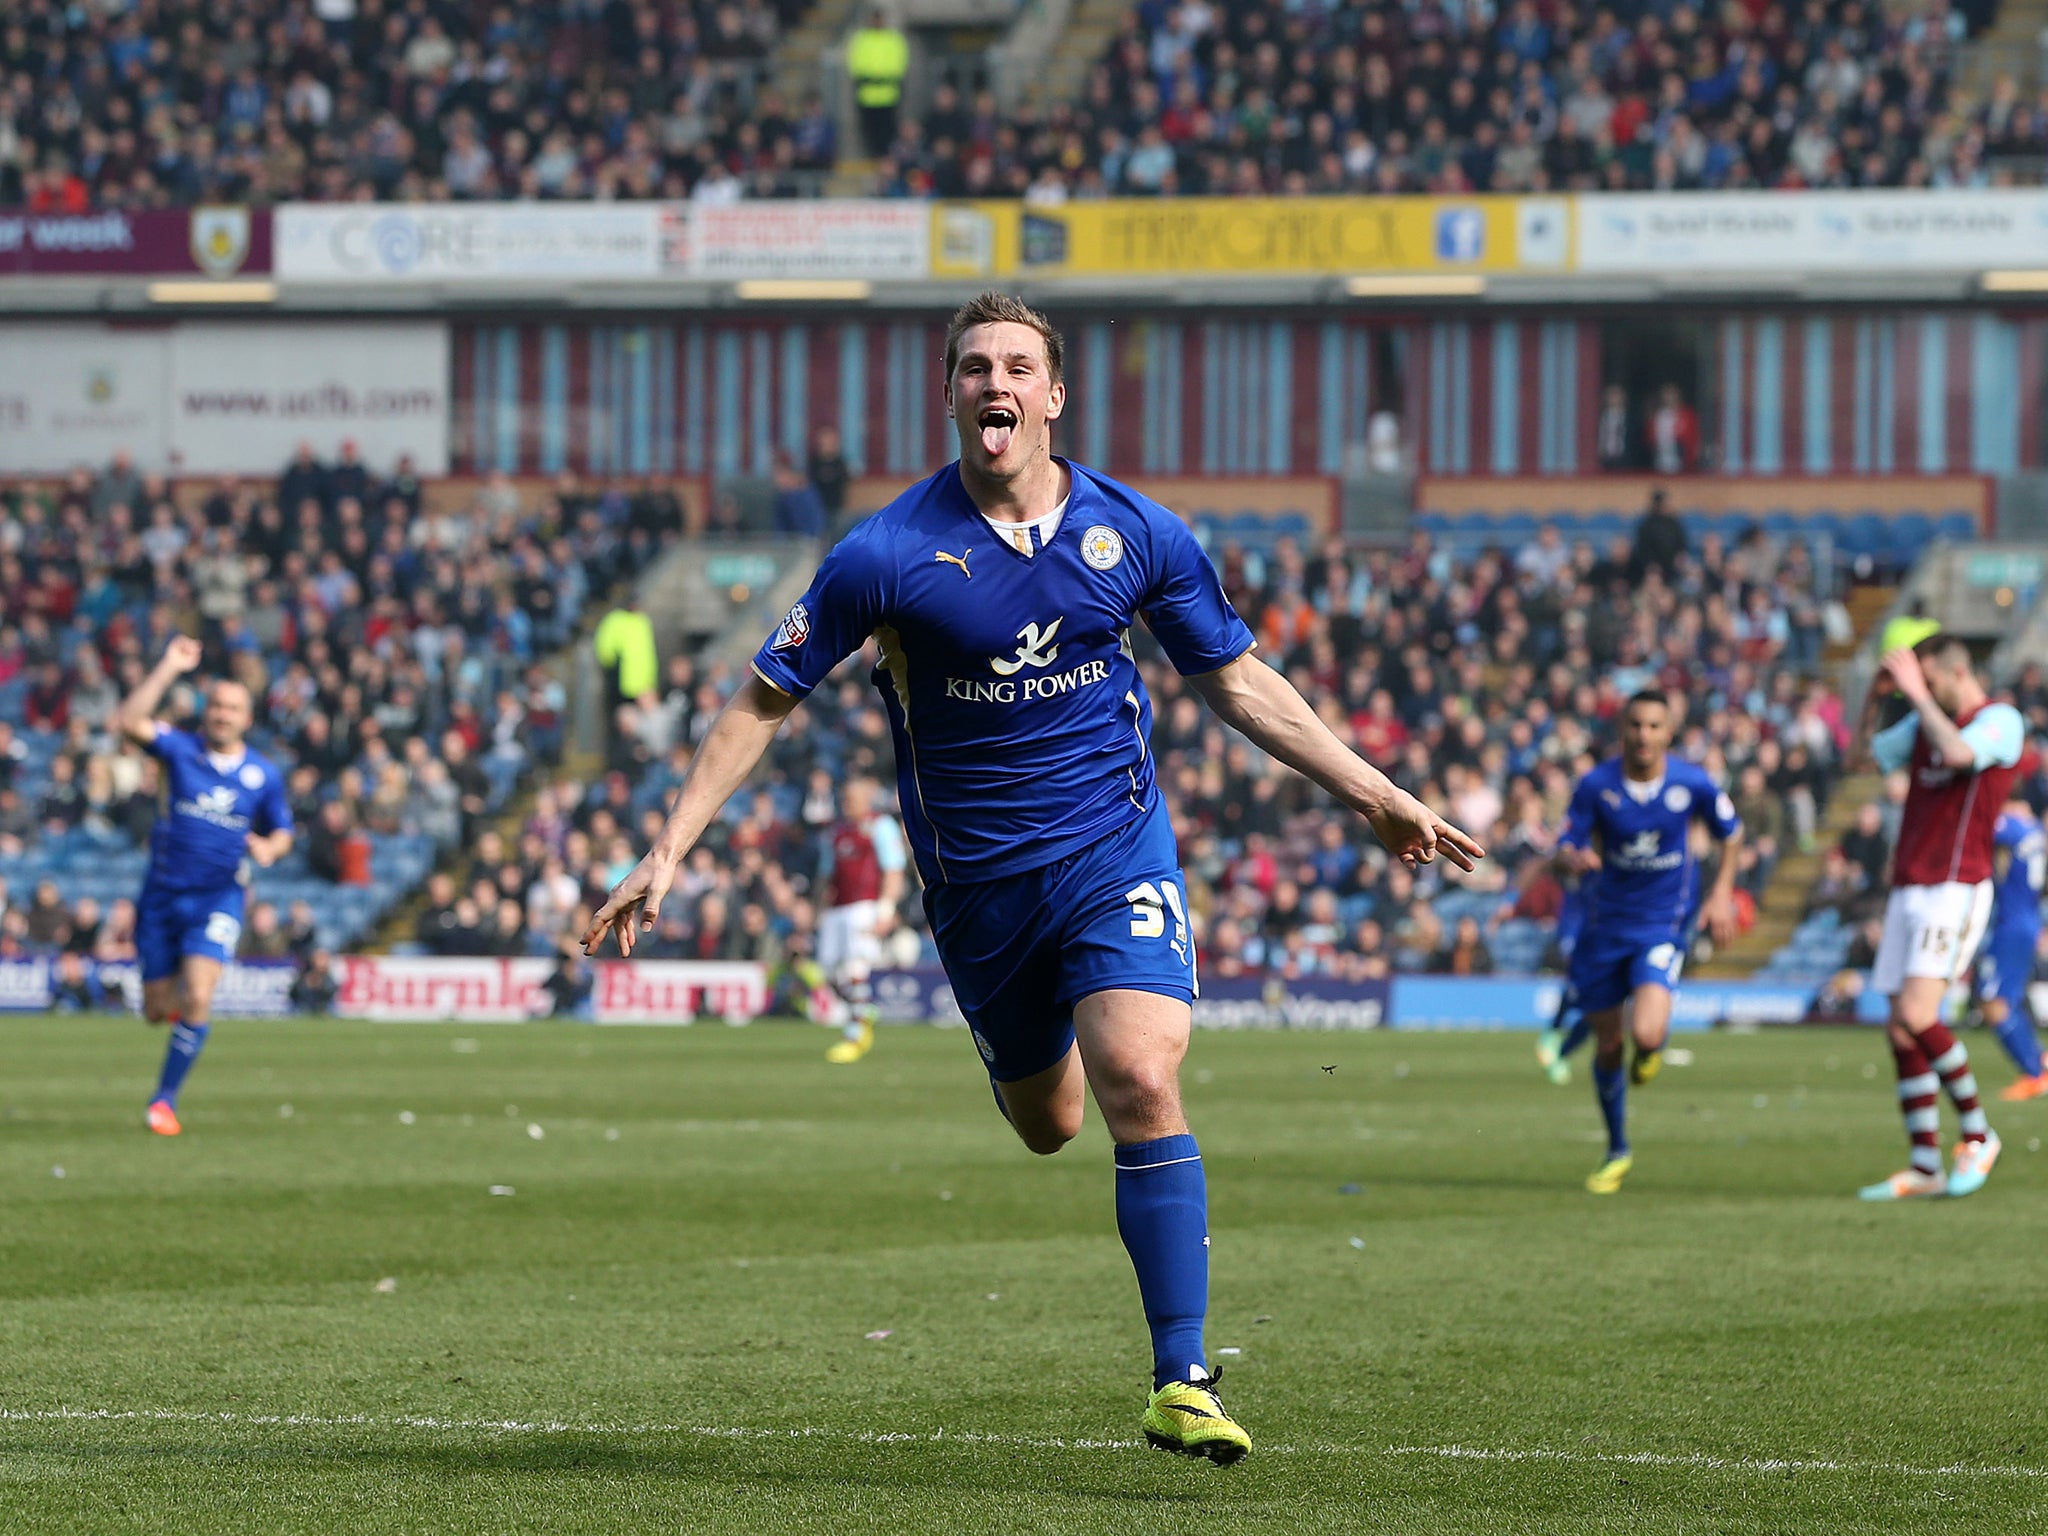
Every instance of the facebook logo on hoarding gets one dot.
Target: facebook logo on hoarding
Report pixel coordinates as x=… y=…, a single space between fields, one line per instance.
x=1460 y=234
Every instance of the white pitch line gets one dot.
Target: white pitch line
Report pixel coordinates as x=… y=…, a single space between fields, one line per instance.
x=1695 y=1460
x=1706 y=1462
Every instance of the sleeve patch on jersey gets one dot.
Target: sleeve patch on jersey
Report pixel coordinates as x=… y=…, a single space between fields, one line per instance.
x=1724 y=807
x=794 y=630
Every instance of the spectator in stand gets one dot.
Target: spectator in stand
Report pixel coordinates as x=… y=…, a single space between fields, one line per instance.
x=1866 y=846
x=878 y=59
x=1615 y=443
x=799 y=509
x=828 y=471
x=1660 y=540
x=1673 y=431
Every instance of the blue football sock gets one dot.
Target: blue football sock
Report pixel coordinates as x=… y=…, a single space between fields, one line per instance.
x=1611 y=1084
x=2016 y=1034
x=1162 y=1214
x=187 y=1041
x=1575 y=1035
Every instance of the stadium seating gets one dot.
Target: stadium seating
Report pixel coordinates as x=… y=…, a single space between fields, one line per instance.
x=675 y=100
x=370 y=628
x=1272 y=97
x=1246 y=831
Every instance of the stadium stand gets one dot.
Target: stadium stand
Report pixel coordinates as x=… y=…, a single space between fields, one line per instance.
x=172 y=102
x=1520 y=97
x=392 y=638
x=1483 y=682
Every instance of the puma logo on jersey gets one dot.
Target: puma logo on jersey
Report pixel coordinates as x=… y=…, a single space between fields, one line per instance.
x=1036 y=650
x=959 y=560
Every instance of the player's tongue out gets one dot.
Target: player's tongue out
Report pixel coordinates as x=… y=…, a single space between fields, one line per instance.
x=996 y=427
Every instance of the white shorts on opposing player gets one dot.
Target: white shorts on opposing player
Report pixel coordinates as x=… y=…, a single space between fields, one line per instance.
x=1931 y=932
x=847 y=944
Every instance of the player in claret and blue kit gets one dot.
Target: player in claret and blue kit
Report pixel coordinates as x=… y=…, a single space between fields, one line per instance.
x=225 y=809
x=1001 y=593
x=1631 y=821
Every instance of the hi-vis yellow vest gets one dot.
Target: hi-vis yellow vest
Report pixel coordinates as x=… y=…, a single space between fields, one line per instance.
x=878 y=58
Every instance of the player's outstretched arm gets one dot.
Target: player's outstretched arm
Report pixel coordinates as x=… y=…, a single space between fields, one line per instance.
x=1258 y=701
x=730 y=750
x=136 y=718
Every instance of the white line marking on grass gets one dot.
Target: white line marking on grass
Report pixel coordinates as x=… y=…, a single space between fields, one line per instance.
x=1706 y=1462
x=1699 y=1460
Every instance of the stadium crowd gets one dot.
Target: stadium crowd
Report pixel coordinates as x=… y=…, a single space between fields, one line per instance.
x=1528 y=95
x=1484 y=684
x=391 y=647
x=174 y=102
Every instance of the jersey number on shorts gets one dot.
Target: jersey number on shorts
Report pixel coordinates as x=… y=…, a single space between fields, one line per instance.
x=223 y=930
x=1666 y=958
x=1149 y=905
x=1938 y=941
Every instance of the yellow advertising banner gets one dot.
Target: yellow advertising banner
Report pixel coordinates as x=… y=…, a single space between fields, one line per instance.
x=1252 y=235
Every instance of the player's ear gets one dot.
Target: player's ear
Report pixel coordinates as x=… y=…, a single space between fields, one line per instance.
x=1056 y=400
x=946 y=393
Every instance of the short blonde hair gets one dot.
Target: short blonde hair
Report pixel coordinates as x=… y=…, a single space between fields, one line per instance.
x=999 y=308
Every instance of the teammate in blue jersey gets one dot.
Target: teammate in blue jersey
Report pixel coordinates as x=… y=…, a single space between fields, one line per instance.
x=2020 y=848
x=1631 y=820
x=225 y=808
x=1001 y=593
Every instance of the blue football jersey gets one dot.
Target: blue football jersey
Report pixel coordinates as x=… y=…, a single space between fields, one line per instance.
x=1648 y=875
x=201 y=839
x=2016 y=904
x=1019 y=719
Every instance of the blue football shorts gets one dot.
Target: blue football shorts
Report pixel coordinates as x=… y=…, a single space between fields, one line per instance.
x=1606 y=969
x=2007 y=968
x=169 y=925
x=1021 y=951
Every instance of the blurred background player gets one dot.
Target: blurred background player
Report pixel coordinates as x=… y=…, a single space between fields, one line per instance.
x=2006 y=973
x=1631 y=822
x=1963 y=754
x=865 y=878
x=225 y=806
x=1567 y=1030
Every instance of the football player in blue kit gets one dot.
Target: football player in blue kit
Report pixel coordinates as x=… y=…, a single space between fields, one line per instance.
x=1001 y=593
x=225 y=808
x=2007 y=969
x=1631 y=821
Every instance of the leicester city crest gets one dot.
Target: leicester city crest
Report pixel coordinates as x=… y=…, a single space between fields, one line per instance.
x=1102 y=547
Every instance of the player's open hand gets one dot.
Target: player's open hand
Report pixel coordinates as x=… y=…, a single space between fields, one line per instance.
x=1718 y=913
x=1415 y=834
x=635 y=902
x=184 y=653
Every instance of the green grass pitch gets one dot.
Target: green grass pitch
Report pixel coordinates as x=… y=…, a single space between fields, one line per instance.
x=666 y=1326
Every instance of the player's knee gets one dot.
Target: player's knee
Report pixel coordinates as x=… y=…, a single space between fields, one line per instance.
x=1046 y=1137
x=1141 y=1095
